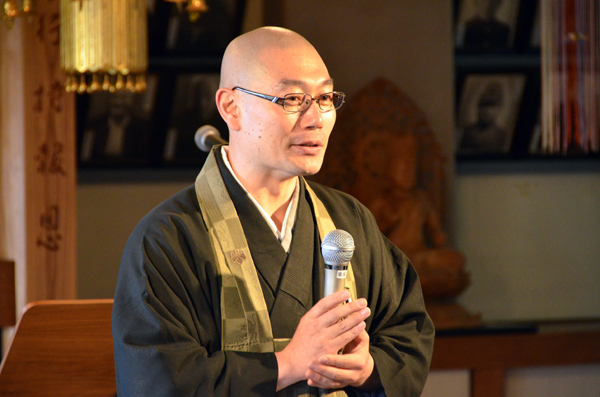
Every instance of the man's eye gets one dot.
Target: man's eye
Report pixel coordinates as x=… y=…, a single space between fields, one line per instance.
x=294 y=99
x=326 y=98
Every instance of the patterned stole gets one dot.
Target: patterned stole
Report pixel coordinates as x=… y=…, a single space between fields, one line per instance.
x=245 y=322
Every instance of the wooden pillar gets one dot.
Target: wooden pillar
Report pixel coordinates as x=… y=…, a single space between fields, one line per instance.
x=38 y=170
x=7 y=294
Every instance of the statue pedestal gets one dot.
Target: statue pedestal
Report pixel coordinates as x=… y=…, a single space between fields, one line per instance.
x=448 y=314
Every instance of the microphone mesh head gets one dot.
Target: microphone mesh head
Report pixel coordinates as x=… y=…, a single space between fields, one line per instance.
x=337 y=247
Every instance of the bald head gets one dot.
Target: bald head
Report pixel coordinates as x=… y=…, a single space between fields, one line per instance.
x=246 y=59
x=269 y=145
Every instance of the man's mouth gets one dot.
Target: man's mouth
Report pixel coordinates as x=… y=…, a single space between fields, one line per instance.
x=309 y=144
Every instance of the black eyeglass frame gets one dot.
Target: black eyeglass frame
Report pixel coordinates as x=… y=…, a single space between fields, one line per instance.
x=281 y=100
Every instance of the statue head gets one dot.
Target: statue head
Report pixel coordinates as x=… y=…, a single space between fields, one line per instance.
x=388 y=161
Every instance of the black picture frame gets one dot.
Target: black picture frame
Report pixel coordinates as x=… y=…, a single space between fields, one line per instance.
x=536 y=144
x=486 y=24
x=116 y=128
x=488 y=112
x=535 y=35
x=192 y=106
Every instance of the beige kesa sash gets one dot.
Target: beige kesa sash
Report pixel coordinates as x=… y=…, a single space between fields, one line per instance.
x=245 y=322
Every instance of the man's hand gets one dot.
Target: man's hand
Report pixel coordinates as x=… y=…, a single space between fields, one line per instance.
x=355 y=367
x=322 y=332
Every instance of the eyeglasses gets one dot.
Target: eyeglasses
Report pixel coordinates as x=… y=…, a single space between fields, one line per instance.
x=299 y=102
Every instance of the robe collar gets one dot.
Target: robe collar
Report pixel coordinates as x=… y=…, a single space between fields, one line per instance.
x=278 y=272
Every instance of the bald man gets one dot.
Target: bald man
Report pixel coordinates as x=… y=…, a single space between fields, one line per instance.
x=220 y=290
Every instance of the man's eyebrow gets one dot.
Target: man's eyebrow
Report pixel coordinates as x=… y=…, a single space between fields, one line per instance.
x=298 y=83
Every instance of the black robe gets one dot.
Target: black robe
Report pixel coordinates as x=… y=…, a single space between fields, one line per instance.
x=166 y=316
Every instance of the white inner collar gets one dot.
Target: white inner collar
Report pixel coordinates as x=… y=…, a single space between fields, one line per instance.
x=285 y=234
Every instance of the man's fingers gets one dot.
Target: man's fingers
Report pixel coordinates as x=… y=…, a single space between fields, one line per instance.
x=341 y=312
x=332 y=310
x=361 y=341
x=350 y=322
x=332 y=372
x=335 y=360
x=341 y=370
x=329 y=302
x=315 y=379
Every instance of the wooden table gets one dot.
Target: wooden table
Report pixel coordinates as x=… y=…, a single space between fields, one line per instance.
x=489 y=351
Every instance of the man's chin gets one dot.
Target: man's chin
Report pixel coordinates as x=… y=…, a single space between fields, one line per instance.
x=307 y=166
x=311 y=170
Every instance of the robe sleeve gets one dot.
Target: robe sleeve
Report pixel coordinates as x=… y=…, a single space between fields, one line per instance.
x=166 y=315
x=400 y=330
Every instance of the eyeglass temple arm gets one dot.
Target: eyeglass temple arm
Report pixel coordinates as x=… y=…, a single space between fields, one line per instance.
x=271 y=98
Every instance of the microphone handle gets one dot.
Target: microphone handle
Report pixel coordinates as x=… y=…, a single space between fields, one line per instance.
x=335 y=281
x=335 y=278
x=206 y=137
x=212 y=140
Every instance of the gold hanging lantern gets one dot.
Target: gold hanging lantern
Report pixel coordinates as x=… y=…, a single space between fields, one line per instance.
x=11 y=11
x=195 y=8
x=104 y=44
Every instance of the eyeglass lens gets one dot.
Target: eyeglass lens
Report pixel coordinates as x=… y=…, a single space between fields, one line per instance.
x=301 y=102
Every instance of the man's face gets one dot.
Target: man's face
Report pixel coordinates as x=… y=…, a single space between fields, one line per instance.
x=488 y=113
x=277 y=143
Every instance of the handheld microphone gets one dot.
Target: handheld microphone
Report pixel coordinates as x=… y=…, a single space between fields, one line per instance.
x=207 y=136
x=337 y=249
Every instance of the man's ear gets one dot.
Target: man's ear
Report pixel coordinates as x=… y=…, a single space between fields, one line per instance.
x=228 y=108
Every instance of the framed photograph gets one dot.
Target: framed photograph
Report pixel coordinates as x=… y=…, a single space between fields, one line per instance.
x=536 y=146
x=486 y=24
x=210 y=34
x=117 y=127
x=193 y=106
x=488 y=111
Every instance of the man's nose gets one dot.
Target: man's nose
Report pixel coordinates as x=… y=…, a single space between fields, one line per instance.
x=312 y=116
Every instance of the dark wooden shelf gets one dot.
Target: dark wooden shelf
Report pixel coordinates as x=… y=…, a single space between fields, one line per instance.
x=158 y=174
x=493 y=62
x=479 y=165
x=489 y=355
